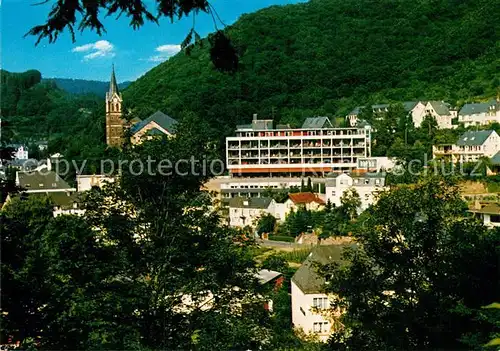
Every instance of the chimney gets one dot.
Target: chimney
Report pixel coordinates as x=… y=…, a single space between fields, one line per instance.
x=254 y=116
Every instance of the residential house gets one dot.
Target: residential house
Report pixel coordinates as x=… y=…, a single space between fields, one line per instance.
x=366 y=185
x=42 y=182
x=442 y=112
x=416 y=109
x=482 y=113
x=157 y=124
x=20 y=151
x=246 y=211
x=49 y=185
x=470 y=147
x=87 y=182
x=308 y=200
x=267 y=279
x=489 y=214
x=311 y=310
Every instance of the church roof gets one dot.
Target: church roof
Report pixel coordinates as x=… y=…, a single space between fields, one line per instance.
x=161 y=119
x=113 y=86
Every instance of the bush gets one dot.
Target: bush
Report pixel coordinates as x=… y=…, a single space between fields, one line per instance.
x=281 y=238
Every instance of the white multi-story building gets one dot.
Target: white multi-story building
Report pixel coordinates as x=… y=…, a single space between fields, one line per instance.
x=260 y=150
x=479 y=113
x=365 y=184
x=311 y=308
x=470 y=147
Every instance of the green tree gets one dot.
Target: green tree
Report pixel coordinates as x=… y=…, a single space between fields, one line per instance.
x=420 y=258
x=266 y=224
x=350 y=203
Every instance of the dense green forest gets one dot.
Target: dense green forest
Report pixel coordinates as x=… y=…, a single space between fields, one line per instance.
x=84 y=86
x=326 y=56
x=33 y=109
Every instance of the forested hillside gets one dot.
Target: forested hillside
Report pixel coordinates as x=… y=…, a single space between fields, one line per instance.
x=33 y=109
x=327 y=56
x=83 y=86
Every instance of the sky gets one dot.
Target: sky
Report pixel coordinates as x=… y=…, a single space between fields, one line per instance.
x=132 y=52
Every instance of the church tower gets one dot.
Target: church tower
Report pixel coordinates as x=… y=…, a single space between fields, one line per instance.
x=114 y=121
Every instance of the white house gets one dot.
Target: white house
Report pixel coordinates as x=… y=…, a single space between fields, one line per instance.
x=87 y=182
x=490 y=214
x=246 y=211
x=416 y=109
x=479 y=113
x=311 y=310
x=308 y=200
x=365 y=184
x=442 y=112
x=20 y=151
x=471 y=146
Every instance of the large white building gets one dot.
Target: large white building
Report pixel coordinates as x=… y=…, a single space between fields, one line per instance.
x=311 y=310
x=479 y=113
x=470 y=147
x=261 y=150
x=365 y=184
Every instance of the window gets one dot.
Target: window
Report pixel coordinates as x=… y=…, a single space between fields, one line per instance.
x=377 y=181
x=367 y=181
x=495 y=218
x=333 y=192
x=320 y=302
x=320 y=327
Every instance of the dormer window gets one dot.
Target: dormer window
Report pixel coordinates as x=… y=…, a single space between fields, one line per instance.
x=40 y=185
x=54 y=185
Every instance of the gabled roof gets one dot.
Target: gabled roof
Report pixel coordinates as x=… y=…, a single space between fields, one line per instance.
x=440 y=107
x=266 y=275
x=41 y=181
x=356 y=110
x=317 y=122
x=478 y=107
x=472 y=138
x=307 y=277
x=488 y=209
x=495 y=160
x=409 y=105
x=250 y=202
x=164 y=121
x=305 y=198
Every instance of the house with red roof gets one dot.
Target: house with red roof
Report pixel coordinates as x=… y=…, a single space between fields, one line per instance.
x=308 y=200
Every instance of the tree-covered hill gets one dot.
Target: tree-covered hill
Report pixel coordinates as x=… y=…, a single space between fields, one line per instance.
x=326 y=56
x=83 y=86
x=33 y=109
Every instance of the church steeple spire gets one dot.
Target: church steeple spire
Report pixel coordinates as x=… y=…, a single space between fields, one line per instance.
x=113 y=86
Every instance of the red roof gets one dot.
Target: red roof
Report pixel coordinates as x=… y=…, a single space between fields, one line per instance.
x=305 y=198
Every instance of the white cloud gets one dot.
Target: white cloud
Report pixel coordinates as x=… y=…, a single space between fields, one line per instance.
x=101 y=48
x=164 y=52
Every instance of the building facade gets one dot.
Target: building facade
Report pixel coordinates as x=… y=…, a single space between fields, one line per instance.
x=365 y=184
x=247 y=211
x=311 y=308
x=470 y=147
x=115 y=123
x=261 y=150
x=479 y=113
